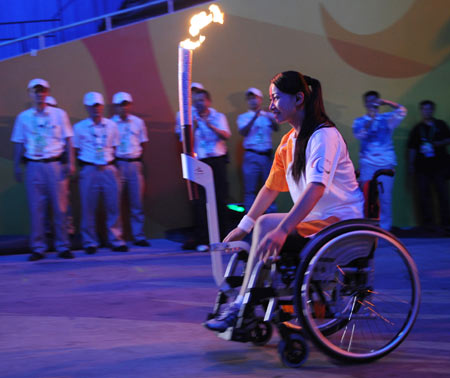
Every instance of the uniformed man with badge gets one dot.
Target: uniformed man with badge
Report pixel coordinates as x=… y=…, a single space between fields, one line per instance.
x=42 y=139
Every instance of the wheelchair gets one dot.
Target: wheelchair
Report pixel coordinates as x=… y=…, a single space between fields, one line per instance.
x=353 y=291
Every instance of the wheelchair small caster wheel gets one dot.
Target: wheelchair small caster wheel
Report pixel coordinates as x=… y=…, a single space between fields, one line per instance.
x=293 y=351
x=261 y=333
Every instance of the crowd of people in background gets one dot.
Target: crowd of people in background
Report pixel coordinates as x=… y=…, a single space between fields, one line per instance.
x=109 y=153
x=427 y=157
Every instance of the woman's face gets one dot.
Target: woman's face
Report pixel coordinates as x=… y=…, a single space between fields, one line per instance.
x=282 y=105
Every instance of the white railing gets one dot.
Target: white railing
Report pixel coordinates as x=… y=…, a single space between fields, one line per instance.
x=107 y=18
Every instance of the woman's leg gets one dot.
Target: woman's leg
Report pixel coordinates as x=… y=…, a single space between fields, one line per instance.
x=264 y=224
x=228 y=317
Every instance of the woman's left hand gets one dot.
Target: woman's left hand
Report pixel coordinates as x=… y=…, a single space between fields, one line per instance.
x=271 y=244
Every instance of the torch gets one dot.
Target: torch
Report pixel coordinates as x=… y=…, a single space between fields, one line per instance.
x=196 y=171
x=185 y=52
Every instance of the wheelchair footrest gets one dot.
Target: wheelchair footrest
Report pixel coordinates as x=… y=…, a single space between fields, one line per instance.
x=240 y=334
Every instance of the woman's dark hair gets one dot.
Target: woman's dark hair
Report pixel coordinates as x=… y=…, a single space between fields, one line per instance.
x=293 y=82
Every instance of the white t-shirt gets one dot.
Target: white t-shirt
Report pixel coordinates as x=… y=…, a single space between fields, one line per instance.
x=328 y=163
x=206 y=142
x=132 y=134
x=96 y=142
x=259 y=137
x=43 y=134
x=377 y=147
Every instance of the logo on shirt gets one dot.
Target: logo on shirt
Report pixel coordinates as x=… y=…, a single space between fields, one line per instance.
x=322 y=165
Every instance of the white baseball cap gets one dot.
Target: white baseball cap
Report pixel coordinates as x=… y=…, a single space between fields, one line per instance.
x=92 y=98
x=49 y=100
x=197 y=86
x=35 y=82
x=120 y=97
x=254 y=91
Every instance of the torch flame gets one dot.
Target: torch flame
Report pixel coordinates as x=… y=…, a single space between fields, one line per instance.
x=198 y=22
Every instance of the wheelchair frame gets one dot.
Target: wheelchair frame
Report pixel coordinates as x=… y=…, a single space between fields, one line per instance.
x=322 y=295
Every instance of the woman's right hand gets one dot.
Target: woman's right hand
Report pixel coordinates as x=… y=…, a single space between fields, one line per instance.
x=235 y=235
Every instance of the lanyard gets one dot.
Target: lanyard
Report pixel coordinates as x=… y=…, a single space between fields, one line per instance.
x=41 y=123
x=427 y=129
x=98 y=133
x=124 y=128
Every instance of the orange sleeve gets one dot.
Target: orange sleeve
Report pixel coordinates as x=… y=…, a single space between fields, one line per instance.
x=277 y=176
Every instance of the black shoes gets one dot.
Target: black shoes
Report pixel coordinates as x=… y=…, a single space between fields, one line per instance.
x=67 y=254
x=120 y=248
x=35 y=256
x=90 y=250
x=142 y=243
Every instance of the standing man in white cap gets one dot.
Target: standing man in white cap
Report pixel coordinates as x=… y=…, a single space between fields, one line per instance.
x=211 y=131
x=96 y=138
x=133 y=134
x=257 y=127
x=42 y=139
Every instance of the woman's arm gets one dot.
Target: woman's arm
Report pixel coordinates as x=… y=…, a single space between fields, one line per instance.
x=274 y=240
x=262 y=202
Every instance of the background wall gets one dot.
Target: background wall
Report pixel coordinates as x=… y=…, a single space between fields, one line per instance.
x=399 y=48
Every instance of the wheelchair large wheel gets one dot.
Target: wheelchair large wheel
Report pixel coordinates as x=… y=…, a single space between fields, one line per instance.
x=357 y=292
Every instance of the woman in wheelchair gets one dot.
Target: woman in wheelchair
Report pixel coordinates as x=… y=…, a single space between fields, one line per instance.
x=313 y=164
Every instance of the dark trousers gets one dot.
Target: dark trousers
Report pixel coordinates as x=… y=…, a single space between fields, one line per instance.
x=219 y=167
x=424 y=182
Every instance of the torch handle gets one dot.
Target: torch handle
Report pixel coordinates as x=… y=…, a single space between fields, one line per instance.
x=188 y=149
